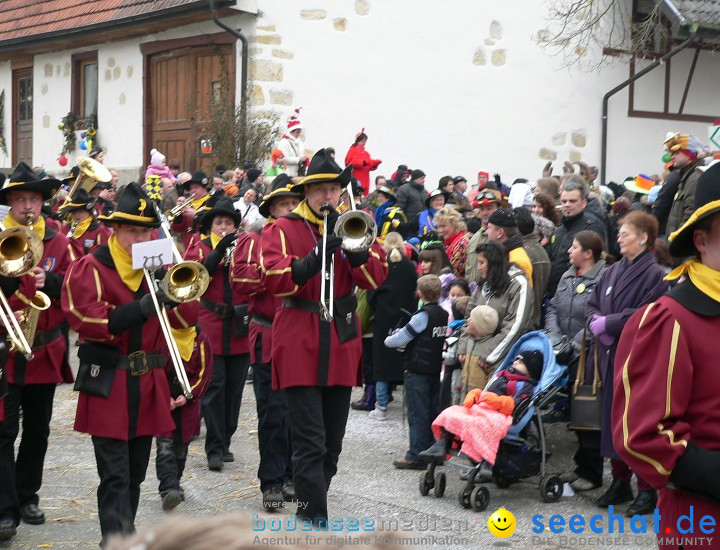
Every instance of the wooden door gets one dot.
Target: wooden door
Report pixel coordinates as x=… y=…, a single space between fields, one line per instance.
x=182 y=82
x=22 y=114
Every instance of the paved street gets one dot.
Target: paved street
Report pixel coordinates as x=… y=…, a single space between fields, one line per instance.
x=367 y=486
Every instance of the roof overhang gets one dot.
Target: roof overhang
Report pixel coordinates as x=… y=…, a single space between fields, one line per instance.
x=704 y=15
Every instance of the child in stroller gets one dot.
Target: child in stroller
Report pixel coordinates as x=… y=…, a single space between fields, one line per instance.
x=522 y=452
x=486 y=416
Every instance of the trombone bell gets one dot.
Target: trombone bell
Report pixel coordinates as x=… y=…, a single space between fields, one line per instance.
x=186 y=281
x=357 y=229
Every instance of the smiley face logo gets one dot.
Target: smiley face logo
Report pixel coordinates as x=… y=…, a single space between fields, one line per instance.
x=502 y=523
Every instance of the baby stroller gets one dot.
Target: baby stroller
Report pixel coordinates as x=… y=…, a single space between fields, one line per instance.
x=452 y=366
x=522 y=453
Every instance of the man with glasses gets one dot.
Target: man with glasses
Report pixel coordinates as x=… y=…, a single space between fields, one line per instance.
x=573 y=201
x=486 y=202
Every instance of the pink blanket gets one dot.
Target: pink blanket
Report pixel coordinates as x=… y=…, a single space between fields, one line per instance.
x=480 y=428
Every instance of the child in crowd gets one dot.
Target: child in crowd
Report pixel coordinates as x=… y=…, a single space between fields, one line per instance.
x=456 y=306
x=486 y=415
x=482 y=325
x=423 y=338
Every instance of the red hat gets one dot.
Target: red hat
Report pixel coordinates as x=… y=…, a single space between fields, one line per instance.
x=360 y=133
x=486 y=174
x=294 y=122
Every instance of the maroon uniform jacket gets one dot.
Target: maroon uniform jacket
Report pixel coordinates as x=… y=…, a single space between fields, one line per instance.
x=49 y=365
x=92 y=290
x=296 y=359
x=245 y=278
x=219 y=328
x=95 y=235
x=199 y=370
x=667 y=394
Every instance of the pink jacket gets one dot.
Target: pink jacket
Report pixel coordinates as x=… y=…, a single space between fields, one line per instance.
x=162 y=171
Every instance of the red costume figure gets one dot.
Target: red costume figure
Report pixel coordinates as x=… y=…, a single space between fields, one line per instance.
x=273 y=416
x=666 y=407
x=172 y=446
x=124 y=392
x=85 y=232
x=315 y=356
x=224 y=321
x=361 y=160
x=31 y=382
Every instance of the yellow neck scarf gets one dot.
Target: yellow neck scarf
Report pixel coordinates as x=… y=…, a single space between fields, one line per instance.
x=185 y=338
x=81 y=227
x=304 y=211
x=214 y=240
x=706 y=279
x=197 y=203
x=123 y=263
x=38 y=226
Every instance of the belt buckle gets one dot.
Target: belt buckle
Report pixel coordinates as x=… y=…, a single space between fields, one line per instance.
x=138 y=357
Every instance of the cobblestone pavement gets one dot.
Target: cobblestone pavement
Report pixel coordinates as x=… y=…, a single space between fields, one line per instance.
x=366 y=486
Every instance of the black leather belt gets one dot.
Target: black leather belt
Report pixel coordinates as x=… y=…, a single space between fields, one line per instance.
x=224 y=311
x=43 y=338
x=303 y=304
x=262 y=320
x=139 y=362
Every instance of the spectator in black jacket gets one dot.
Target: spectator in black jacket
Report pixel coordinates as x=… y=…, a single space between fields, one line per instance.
x=573 y=200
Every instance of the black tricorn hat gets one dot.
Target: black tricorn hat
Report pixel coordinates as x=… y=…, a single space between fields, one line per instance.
x=282 y=186
x=134 y=207
x=198 y=177
x=80 y=201
x=388 y=191
x=324 y=169
x=24 y=178
x=707 y=203
x=223 y=207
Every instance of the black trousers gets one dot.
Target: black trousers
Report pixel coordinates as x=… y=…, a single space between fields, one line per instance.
x=20 y=479
x=588 y=460
x=367 y=361
x=122 y=466
x=446 y=387
x=318 y=416
x=170 y=462
x=273 y=427
x=221 y=402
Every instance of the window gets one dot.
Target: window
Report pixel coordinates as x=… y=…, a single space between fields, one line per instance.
x=85 y=84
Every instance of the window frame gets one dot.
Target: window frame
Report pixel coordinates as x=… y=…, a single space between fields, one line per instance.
x=79 y=62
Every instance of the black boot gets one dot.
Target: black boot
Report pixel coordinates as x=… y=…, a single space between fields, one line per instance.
x=362 y=404
x=643 y=504
x=619 y=492
x=436 y=452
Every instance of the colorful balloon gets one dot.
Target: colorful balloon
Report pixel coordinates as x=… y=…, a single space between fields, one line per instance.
x=83 y=135
x=83 y=145
x=62 y=160
x=667 y=157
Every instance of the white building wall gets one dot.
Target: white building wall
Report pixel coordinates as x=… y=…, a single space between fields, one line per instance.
x=450 y=87
x=6 y=85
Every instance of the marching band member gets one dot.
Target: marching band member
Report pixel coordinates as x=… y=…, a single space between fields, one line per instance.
x=124 y=393
x=85 y=232
x=274 y=469
x=31 y=383
x=172 y=447
x=186 y=224
x=227 y=328
x=316 y=359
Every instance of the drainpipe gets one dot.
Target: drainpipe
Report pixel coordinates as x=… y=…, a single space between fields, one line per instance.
x=244 y=68
x=616 y=89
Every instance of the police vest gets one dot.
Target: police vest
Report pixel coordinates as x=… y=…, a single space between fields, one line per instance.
x=424 y=353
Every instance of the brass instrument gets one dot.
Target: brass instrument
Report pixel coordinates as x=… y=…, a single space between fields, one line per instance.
x=184 y=282
x=73 y=227
x=21 y=250
x=356 y=228
x=28 y=318
x=91 y=173
x=230 y=250
x=178 y=209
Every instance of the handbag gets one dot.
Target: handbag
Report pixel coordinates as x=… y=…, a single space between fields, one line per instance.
x=96 y=373
x=586 y=399
x=241 y=320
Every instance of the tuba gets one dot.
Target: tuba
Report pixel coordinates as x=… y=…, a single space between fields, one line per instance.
x=91 y=172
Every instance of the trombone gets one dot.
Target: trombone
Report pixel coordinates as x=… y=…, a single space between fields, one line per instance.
x=21 y=250
x=184 y=282
x=358 y=231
